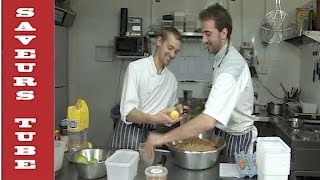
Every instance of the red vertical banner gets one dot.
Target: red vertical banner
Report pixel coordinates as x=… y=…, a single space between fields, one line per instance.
x=27 y=89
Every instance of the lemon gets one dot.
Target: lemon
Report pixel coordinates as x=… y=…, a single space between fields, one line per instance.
x=174 y=114
x=81 y=159
x=90 y=145
x=94 y=160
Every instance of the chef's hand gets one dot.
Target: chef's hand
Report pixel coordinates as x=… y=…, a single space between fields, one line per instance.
x=183 y=109
x=163 y=117
x=153 y=140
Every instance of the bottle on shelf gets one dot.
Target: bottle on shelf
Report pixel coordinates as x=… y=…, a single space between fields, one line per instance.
x=318 y=16
x=311 y=20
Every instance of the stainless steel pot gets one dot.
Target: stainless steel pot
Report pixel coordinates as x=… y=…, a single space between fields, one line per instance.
x=296 y=123
x=274 y=109
x=197 y=160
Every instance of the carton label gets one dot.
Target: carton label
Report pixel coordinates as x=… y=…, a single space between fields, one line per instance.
x=73 y=124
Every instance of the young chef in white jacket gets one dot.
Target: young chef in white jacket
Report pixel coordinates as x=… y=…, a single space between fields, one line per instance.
x=230 y=103
x=149 y=92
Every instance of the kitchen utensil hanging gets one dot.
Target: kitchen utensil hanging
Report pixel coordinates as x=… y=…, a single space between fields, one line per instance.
x=275 y=26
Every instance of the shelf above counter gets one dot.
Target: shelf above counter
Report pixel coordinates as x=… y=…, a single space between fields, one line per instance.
x=184 y=34
x=130 y=57
x=296 y=38
x=315 y=35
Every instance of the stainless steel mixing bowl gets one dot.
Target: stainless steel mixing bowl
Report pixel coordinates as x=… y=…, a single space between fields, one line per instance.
x=91 y=170
x=197 y=160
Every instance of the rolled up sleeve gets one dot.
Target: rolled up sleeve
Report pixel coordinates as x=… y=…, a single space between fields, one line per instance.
x=129 y=96
x=222 y=98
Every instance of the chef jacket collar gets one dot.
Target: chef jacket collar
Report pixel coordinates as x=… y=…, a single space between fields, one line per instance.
x=219 y=56
x=154 y=68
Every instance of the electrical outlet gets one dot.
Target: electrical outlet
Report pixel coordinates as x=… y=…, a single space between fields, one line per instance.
x=103 y=53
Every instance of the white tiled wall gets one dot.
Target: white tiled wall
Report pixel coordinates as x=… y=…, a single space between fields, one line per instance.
x=97 y=22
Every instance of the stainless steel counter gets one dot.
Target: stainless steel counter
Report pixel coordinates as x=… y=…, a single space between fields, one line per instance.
x=304 y=144
x=68 y=171
x=308 y=133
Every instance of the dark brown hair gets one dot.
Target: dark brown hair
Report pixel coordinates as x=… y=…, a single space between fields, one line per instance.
x=220 y=15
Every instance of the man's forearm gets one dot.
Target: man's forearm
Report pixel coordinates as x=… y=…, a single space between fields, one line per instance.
x=198 y=125
x=139 y=117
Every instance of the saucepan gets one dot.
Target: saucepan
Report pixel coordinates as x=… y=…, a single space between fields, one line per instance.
x=274 y=108
x=296 y=123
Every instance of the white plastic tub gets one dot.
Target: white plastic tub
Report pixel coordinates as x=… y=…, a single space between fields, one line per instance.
x=273 y=156
x=309 y=108
x=58 y=154
x=122 y=165
x=272 y=165
x=262 y=176
x=273 y=145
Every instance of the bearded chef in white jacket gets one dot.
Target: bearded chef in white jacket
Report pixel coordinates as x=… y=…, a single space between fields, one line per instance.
x=230 y=103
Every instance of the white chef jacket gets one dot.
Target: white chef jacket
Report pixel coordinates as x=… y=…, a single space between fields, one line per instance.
x=145 y=90
x=230 y=100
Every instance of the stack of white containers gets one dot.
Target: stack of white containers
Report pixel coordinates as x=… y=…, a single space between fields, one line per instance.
x=273 y=158
x=190 y=23
x=178 y=21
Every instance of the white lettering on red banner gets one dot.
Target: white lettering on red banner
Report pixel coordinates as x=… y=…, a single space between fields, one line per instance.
x=24 y=95
x=27 y=89
x=25 y=164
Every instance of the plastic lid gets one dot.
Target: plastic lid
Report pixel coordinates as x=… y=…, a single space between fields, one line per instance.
x=156 y=171
x=272 y=145
x=123 y=158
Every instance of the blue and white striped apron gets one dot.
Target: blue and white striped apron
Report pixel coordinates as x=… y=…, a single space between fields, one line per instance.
x=234 y=143
x=128 y=136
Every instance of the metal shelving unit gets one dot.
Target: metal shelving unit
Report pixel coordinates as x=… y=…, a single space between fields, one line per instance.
x=184 y=34
x=130 y=57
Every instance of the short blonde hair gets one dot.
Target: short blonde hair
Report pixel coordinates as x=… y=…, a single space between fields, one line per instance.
x=166 y=31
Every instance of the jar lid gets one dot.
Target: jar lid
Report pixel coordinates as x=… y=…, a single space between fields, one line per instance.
x=156 y=171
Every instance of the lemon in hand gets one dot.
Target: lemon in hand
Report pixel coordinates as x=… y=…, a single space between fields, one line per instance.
x=174 y=114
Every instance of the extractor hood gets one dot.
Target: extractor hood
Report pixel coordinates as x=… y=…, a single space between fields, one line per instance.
x=314 y=35
x=63 y=14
